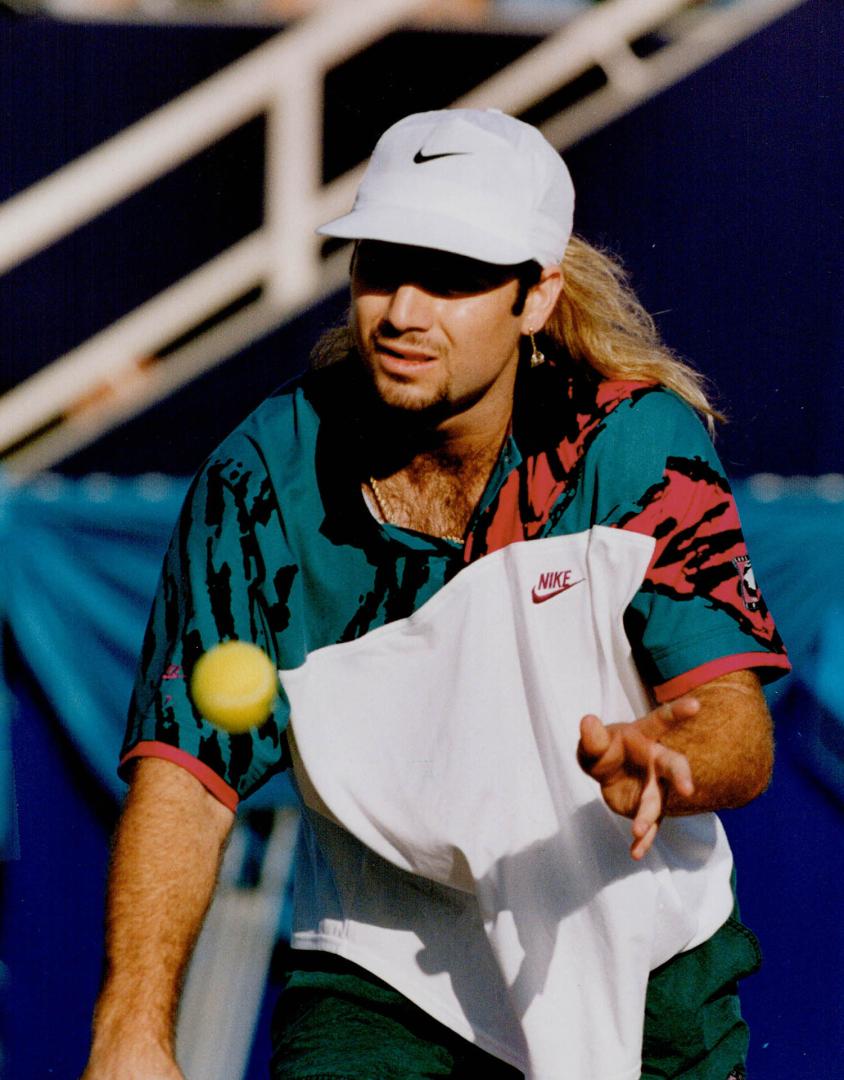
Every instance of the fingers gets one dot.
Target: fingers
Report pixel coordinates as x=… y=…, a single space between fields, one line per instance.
x=668 y=715
x=637 y=772
x=673 y=767
x=594 y=742
x=642 y=844
x=669 y=771
x=648 y=813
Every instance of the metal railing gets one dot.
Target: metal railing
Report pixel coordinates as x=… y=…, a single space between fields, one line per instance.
x=278 y=270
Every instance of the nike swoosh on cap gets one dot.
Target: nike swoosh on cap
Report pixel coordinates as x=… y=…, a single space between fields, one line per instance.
x=419 y=158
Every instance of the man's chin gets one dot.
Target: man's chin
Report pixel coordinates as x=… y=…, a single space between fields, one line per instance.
x=410 y=399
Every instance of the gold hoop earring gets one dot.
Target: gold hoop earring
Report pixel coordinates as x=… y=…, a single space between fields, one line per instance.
x=536 y=357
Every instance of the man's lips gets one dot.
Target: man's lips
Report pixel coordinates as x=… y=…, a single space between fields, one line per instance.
x=402 y=356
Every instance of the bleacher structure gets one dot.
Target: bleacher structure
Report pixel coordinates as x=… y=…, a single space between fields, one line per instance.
x=631 y=50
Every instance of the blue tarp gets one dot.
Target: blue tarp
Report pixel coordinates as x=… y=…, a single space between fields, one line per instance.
x=82 y=556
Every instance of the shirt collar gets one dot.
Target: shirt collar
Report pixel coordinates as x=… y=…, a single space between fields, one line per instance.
x=538 y=421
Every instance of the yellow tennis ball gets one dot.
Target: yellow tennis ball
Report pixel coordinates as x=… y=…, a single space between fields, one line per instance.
x=234 y=685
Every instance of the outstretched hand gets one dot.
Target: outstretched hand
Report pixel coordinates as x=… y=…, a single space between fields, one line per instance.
x=636 y=771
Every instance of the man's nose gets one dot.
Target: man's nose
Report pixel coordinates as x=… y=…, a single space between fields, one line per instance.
x=410 y=308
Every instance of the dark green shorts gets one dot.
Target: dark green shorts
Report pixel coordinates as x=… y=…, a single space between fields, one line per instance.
x=335 y=1021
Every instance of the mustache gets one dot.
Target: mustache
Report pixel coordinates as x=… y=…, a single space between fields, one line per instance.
x=389 y=337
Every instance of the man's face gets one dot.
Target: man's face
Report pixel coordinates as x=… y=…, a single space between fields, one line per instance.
x=436 y=331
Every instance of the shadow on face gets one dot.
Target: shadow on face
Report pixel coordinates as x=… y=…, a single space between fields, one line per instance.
x=379 y=267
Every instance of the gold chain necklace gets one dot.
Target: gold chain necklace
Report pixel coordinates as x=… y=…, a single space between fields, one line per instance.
x=378 y=495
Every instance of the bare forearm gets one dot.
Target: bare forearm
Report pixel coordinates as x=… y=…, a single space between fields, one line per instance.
x=710 y=750
x=728 y=744
x=164 y=868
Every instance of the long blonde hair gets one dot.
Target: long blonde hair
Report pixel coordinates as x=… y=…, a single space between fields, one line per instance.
x=600 y=321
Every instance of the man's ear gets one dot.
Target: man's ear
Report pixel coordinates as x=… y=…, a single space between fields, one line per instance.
x=541 y=299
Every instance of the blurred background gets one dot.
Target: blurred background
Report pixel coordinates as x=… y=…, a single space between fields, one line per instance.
x=162 y=166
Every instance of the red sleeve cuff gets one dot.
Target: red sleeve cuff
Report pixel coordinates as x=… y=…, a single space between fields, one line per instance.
x=690 y=680
x=207 y=777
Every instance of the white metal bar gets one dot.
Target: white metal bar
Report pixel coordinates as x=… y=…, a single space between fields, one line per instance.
x=108 y=174
x=285 y=257
x=625 y=70
x=695 y=45
x=292 y=177
x=107 y=355
x=600 y=36
x=133 y=389
x=577 y=46
x=336 y=197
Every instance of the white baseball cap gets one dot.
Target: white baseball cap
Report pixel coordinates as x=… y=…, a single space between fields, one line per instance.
x=474 y=182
